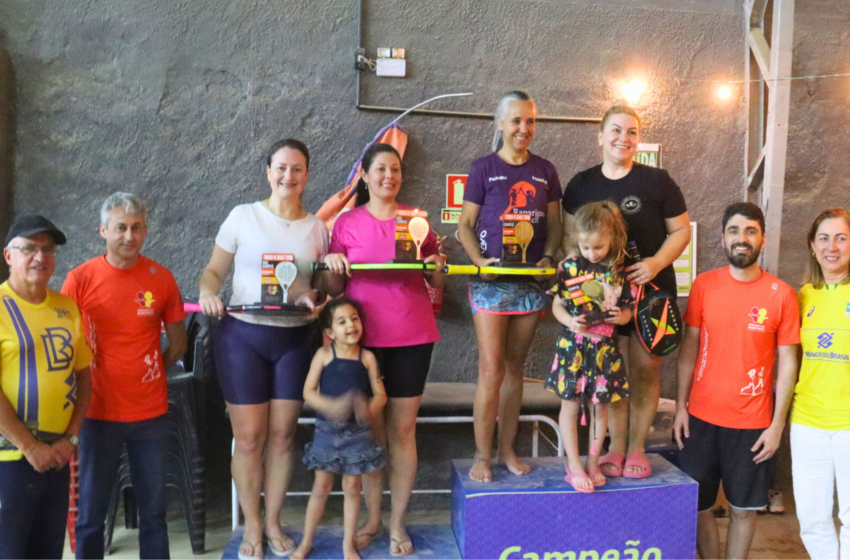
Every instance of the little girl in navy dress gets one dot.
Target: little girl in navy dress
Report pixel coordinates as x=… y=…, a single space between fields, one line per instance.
x=591 y=296
x=345 y=389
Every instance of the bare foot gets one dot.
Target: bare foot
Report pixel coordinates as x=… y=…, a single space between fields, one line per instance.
x=514 y=464
x=400 y=543
x=366 y=534
x=480 y=471
x=302 y=551
x=349 y=551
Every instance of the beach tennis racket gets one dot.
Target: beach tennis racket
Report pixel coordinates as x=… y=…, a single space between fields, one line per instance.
x=657 y=317
x=285 y=272
x=523 y=232
x=450 y=269
x=256 y=309
x=418 y=229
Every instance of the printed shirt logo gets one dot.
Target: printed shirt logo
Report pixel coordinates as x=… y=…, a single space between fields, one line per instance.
x=756 y=385
x=631 y=205
x=811 y=312
x=825 y=340
x=758 y=316
x=520 y=195
x=145 y=301
x=58 y=348
x=154 y=371
x=846 y=309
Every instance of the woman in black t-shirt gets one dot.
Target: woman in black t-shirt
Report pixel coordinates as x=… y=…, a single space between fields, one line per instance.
x=657 y=219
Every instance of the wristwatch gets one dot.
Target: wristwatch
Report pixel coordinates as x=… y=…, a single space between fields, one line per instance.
x=72 y=439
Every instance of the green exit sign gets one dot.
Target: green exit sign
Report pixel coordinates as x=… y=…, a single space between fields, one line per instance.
x=649 y=154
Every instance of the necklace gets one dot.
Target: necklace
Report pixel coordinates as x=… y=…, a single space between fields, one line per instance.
x=286 y=221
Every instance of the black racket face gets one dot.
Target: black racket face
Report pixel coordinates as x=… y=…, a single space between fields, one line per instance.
x=658 y=321
x=283 y=310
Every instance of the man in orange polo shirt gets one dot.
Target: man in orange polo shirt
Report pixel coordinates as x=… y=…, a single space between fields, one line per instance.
x=739 y=319
x=125 y=298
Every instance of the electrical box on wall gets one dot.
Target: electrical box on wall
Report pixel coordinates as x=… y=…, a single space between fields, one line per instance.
x=391 y=67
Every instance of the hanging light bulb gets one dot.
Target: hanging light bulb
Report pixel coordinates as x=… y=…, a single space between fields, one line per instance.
x=724 y=92
x=632 y=91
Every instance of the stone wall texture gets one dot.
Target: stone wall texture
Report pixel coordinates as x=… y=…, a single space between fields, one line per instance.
x=177 y=100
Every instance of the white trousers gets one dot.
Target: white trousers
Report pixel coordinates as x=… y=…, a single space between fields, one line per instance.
x=820 y=460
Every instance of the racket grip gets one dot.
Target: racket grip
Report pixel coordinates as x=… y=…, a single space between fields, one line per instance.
x=319 y=266
x=192 y=307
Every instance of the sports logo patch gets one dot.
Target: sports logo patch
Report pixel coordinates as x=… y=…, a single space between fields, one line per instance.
x=758 y=316
x=825 y=340
x=631 y=205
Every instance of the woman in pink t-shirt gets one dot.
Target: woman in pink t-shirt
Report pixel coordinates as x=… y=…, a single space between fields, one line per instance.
x=398 y=327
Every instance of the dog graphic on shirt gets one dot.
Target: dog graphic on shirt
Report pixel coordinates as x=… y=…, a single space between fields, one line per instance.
x=754 y=387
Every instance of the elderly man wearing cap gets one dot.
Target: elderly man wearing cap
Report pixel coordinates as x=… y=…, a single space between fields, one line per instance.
x=44 y=376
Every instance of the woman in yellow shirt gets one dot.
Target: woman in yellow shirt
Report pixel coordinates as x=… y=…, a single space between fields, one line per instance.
x=820 y=417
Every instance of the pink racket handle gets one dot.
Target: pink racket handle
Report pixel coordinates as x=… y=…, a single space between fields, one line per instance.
x=192 y=307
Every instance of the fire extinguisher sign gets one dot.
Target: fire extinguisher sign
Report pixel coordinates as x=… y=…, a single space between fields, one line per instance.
x=455 y=184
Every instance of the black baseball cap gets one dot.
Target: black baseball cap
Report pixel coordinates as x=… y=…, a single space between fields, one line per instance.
x=27 y=226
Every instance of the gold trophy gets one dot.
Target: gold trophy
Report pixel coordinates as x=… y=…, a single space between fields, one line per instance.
x=524 y=232
x=594 y=291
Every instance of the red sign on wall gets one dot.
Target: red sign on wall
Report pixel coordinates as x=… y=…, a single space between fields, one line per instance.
x=455 y=184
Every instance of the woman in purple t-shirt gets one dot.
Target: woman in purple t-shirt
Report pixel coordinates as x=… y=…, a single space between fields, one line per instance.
x=505 y=310
x=398 y=327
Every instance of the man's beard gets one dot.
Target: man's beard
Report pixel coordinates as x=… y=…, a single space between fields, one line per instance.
x=742 y=260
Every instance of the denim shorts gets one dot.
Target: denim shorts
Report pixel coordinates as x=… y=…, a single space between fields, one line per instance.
x=507 y=297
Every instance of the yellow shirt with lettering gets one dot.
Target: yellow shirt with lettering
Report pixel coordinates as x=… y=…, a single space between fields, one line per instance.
x=41 y=346
x=822 y=394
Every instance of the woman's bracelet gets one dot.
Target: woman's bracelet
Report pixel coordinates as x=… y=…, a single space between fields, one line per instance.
x=550 y=257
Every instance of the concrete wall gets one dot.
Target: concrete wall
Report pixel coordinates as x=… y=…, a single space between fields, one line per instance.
x=815 y=178
x=7 y=142
x=177 y=100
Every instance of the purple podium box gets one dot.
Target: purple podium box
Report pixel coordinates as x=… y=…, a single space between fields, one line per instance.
x=540 y=516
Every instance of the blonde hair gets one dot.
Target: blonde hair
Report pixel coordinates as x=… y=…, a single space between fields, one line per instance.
x=604 y=217
x=813 y=274
x=620 y=107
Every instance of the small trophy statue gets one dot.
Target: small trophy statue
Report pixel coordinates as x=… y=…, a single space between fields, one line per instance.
x=594 y=290
x=411 y=231
x=517 y=233
x=524 y=232
x=418 y=228
x=285 y=272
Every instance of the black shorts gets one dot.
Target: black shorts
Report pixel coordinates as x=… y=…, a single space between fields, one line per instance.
x=713 y=453
x=258 y=363
x=404 y=368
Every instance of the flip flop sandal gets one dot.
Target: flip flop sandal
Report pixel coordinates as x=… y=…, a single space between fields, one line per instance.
x=241 y=556
x=571 y=476
x=396 y=544
x=280 y=553
x=369 y=537
x=615 y=459
x=637 y=460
